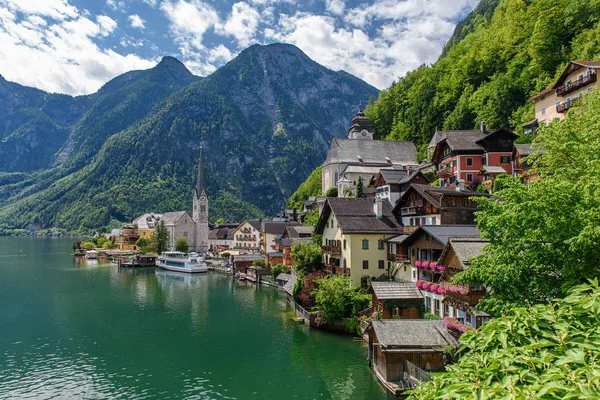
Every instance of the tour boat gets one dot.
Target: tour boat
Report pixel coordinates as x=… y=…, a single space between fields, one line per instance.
x=180 y=262
x=91 y=254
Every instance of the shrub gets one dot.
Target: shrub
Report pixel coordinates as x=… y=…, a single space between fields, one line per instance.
x=258 y=263
x=182 y=245
x=278 y=269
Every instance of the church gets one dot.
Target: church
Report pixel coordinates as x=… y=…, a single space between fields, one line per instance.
x=195 y=228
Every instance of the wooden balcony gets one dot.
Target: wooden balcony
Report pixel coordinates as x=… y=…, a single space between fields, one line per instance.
x=410 y=229
x=573 y=86
x=414 y=208
x=471 y=298
x=399 y=258
x=445 y=172
x=335 y=250
x=562 y=107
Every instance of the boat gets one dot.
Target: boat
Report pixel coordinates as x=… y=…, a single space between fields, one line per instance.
x=178 y=261
x=91 y=254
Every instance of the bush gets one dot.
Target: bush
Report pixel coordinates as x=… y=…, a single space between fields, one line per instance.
x=306 y=292
x=278 y=269
x=258 y=263
x=308 y=257
x=182 y=245
x=429 y=315
x=332 y=192
x=337 y=300
x=225 y=254
x=88 y=245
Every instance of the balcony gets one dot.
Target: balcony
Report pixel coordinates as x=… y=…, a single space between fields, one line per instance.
x=572 y=86
x=562 y=107
x=445 y=172
x=336 y=250
x=471 y=298
x=399 y=258
x=411 y=210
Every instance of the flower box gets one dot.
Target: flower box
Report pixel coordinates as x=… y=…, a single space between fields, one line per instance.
x=425 y=286
x=425 y=264
x=418 y=263
x=441 y=290
x=440 y=268
x=432 y=265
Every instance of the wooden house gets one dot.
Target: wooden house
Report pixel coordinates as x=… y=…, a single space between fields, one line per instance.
x=395 y=344
x=242 y=262
x=521 y=166
x=398 y=300
x=390 y=184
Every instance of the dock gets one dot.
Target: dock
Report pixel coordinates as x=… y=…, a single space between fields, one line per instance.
x=140 y=261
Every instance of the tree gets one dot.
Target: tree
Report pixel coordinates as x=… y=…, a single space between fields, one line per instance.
x=278 y=269
x=308 y=257
x=335 y=299
x=143 y=244
x=182 y=245
x=76 y=246
x=258 y=263
x=547 y=351
x=160 y=238
x=544 y=237
x=88 y=244
x=360 y=189
x=219 y=221
x=311 y=218
x=332 y=192
x=306 y=292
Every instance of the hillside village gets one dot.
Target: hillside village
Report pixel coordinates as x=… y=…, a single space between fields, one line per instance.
x=397 y=228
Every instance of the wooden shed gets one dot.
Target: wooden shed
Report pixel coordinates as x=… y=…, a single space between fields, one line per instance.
x=401 y=300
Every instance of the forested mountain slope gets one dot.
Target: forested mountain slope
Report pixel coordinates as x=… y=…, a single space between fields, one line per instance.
x=266 y=119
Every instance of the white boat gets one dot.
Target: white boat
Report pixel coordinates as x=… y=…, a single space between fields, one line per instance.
x=180 y=262
x=91 y=254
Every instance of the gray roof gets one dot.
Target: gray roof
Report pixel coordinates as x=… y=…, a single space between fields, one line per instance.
x=433 y=194
x=147 y=221
x=396 y=176
x=493 y=169
x=397 y=239
x=395 y=290
x=527 y=149
x=283 y=277
x=463 y=140
x=437 y=136
x=411 y=333
x=275 y=254
x=212 y=234
x=299 y=231
x=442 y=233
x=301 y=240
x=289 y=285
x=358 y=216
x=275 y=228
x=465 y=248
x=248 y=257
x=345 y=151
x=171 y=218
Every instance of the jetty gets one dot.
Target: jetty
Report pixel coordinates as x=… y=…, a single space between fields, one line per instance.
x=139 y=261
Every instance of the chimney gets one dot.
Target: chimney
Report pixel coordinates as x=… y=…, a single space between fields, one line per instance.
x=460 y=185
x=483 y=127
x=378 y=207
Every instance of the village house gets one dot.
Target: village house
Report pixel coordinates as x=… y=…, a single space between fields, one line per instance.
x=425 y=246
x=354 y=232
x=460 y=301
x=487 y=175
x=271 y=232
x=399 y=300
x=460 y=155
x=247 y=236
x=242 y=262
x=129 y=236
x=294 y=234
x=435 y=205
x=179 y=224
x=220 y=239
x=520 y=164
x=145 y=224
x=390 y=184
x=577 y=79
x=360 y=155
x=397 y=346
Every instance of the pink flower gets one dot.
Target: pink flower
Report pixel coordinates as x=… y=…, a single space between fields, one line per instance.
x=418 y=263
x=433 y=288
x=441 y=290
x=432 y=265
x=425 y=264
x=425 y=286
x=440 y=268
x=419 y=284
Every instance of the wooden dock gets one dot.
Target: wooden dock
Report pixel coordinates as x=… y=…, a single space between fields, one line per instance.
x=137 y=262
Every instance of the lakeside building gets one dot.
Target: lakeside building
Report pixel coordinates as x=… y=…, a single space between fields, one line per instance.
x=360 y=155
x=435 y=205
x=460 y=155
x=390 y=184
x=293 y=235
x=146 y=224
x=354 y=232
x=220 y=238
x=396 y=300
x=247 y=235
x=577 y=79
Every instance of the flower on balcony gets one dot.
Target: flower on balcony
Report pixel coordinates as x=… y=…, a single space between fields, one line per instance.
x=425 y=286
x=454 y=324
x=418 y=263
x=440 y=268
x=419 y=284
x=433 y=288
x=425 y=264
x=441 y=290
x=432 y=265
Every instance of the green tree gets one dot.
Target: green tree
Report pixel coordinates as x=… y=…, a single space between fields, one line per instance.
x=544 y=236
x=143 y=244
x=336 y=300
x=160 y=238
x=308 y=257
x=219 y=221
x=360 y=188
x=258 y=263
x=332 y=192
x=311 y=218
x=546 y=351
x=278 y=269
x=181 y=244
x=88 y=244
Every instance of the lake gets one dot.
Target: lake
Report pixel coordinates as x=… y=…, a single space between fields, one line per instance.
x=77 y=329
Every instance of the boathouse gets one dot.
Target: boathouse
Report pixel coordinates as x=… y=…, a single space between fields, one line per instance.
x=399 y=300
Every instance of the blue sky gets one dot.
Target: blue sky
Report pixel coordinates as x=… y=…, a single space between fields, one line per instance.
x=75 y=46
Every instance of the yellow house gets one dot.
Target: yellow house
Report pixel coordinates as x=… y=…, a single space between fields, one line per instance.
x=146 y=224
x=354 y=233
x=578 y=78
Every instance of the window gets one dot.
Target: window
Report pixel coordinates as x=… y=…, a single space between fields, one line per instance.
x=365 y=244
x=428 y=303
x=504 y=159
x=446 y=309
x=381 y=264
x=543 y=111
x=437 y=306
x=442 y=182
x=365 y=264
x=454 y=163
x=452 y=179
x=412 y=222
x=414 y=271
x=380 y=244
x=423 y=221
x=483 y=161
x=414 y=252
x=469 y=162
x=433 y=220
x=469 y=177
x=344 y=244
x=451 y=202
x=466 y=203
x=202 y=208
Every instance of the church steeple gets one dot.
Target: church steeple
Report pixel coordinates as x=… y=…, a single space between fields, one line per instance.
x=361 y=126
x=200 y=178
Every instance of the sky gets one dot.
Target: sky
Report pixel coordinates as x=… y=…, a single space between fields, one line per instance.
x=75 y=46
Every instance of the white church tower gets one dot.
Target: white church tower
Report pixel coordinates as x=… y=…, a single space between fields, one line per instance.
x=200 y=212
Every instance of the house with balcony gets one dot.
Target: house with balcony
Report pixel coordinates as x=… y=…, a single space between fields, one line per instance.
x=398 y=258
x=129 y=235
x=460 y=155
x=435 y=205
x=521 y=166
x=247 y=237
x=390 y=184
x=271 y=234
x=425 y=246
x=145 y=224
x=294 y=234
x=220 y=238
x=360 y=155
x=460 y=301
x=354 y=233
x=487 y=175
x=396 y=300
x=577 y=79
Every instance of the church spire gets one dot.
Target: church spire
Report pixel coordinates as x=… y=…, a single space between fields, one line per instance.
x=200 y=178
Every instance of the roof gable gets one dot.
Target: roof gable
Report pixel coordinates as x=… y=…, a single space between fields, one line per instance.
x=371 y=152
x=441 y=233
x=395 y=290
x=358 y=216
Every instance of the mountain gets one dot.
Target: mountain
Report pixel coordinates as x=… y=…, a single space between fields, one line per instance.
x=266 y=120
x=501 y=54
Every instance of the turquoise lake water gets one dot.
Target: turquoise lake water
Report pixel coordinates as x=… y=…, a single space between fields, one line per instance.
x=77 y=329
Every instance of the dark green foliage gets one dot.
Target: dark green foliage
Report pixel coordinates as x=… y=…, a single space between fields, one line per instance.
x=360 y=188
x=500 y=55
x=311 y=218
x=258 y=263
x=278 y=269
x=332 y=192
x=181 y=244
x=311 y=187
x=336 y=300
x=160 y=238
x=136 y=147
x=548 y=351
x=308 y=257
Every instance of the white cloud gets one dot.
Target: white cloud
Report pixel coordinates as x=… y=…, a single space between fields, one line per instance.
x=335 y=6
x=116 y=4
x=56 y=9
x=60 y=55
x=242 y=23
x=136 y=21
x=190 y=20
